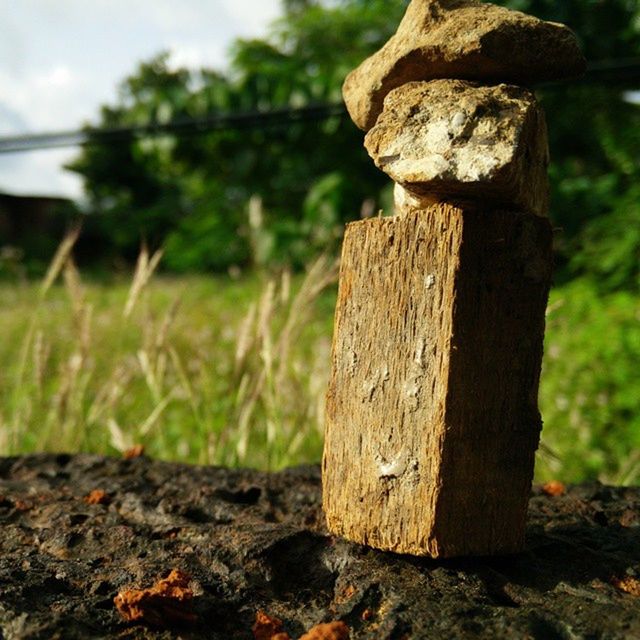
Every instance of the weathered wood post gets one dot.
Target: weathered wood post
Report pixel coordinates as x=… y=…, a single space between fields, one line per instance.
x=432 y=417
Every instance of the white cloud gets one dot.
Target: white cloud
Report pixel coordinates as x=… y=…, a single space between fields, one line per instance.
x=11 y=48
x=632 y=96
x=39 y=173
x=57 y=77
x=62 y=59
x=251 y=15
x=52 y=98
x=190 y=56
x=10 y=120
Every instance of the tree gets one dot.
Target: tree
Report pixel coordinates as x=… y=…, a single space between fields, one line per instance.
x=134 y=184
x=314 y=175
x=178 y=187
x=595 y=148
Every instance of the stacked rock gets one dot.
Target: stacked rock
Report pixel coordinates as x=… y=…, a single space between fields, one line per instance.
x=463 y=40
x=432 y=417
x=464 y=136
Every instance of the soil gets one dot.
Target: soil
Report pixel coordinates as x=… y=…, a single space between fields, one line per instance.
x=79 y=533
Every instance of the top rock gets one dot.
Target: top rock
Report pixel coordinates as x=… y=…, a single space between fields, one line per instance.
x=462 y=40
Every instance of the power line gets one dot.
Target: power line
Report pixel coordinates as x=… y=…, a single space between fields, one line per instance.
x=612 y=72
x=616 y=72
x=186 y=126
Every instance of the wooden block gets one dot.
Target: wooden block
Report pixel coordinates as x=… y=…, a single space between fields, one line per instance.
x=432 y=418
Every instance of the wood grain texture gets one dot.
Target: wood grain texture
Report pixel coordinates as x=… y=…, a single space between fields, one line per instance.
x=432 y=419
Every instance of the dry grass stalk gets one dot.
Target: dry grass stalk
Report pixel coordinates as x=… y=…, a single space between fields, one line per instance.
x=271 y=389
x=60 y=259
x=90 y=379
x=41 y=353
x=73 y=285
x=245 y=337
x=167 y=323
x=145 y=268
x=154 y=416
x=20 y=407
x=120 y=440
x=109 y=395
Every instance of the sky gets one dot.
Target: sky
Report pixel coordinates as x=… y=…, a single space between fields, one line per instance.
x=61 y=59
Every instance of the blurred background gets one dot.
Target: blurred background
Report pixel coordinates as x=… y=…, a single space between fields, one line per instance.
x=204 y=151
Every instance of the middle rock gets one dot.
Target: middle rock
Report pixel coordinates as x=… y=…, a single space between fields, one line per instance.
x=452 y=139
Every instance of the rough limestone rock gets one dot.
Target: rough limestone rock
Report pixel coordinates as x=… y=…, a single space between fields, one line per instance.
x=462 y=39
x=459 y=140
x=255 y=541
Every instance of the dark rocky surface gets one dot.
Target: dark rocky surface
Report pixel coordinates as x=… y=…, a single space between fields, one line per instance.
x=255 y=541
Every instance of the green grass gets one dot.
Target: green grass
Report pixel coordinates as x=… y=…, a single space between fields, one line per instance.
x=216 y=370
x=202 y=369
x=590 y=389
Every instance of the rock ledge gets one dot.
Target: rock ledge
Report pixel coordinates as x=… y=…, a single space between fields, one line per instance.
x=256 y=541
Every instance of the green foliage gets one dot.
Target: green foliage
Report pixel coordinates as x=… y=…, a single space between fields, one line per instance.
x=590 y=391
x=201 y=240
x=594 y=183
x=183 y=188
x=234 y=372
x=594 y=135
x=609 y=249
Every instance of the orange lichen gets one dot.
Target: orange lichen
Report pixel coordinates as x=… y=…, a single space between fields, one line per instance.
x=346 y=594
x=23 y=505
x=167 y=602
x=367 y=614
x=554 y=488
x=135 y=452
x=628 y=585
x=267 y=627
x=97 y=496
x=328 y=631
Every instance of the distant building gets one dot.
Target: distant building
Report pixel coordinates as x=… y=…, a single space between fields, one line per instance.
x=24 y=217
x=31 y=228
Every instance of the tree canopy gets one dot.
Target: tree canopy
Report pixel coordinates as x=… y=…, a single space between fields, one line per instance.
x=191 y=192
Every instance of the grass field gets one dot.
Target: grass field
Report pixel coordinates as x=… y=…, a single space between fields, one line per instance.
x=216 y=370
x=204 y=369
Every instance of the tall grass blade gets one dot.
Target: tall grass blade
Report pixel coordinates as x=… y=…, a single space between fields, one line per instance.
x=60 y=259
x=145 y=268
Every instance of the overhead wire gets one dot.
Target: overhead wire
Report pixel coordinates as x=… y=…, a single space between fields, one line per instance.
x=616 y=72
x=213 y=122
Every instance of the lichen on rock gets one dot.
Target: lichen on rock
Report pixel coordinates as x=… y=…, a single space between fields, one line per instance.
x=166 y=603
